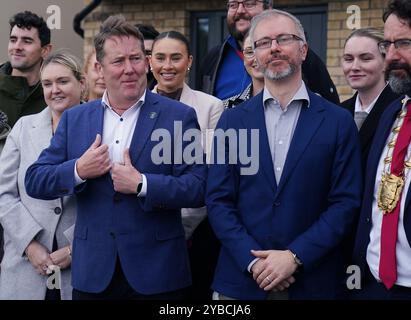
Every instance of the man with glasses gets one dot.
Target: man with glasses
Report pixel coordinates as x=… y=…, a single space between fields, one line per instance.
x=383 y=243
x=222 y=73
x=282 y=228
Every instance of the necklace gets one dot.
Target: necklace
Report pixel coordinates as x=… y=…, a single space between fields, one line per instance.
x=391 y=186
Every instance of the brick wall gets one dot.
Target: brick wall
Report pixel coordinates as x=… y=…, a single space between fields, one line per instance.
x=164 y=15
x=371 y=16
x=175 y=14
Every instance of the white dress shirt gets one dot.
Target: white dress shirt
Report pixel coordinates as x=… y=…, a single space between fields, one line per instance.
x=403 y=249
x=117 y=134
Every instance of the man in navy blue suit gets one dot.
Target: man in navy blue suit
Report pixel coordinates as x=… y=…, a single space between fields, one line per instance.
x=282 y=227
x=129 y=240
x=383 y=241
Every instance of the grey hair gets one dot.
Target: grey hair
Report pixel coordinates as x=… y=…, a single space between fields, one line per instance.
x=272 y=13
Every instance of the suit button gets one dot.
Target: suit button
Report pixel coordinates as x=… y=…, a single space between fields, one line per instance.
x=112 y=234
x=367 y=220
x=57 y=210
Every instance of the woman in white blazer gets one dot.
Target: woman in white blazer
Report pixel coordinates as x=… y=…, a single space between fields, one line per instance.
x=38 y=233
x=170 y=62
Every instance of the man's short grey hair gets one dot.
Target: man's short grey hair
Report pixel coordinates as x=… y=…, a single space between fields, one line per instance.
x=273 y=13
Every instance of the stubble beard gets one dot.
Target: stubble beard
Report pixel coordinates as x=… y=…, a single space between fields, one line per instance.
x=25 y=66
x=276 y=76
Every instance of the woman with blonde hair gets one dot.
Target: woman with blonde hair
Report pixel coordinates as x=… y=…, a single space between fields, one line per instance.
x=363 y=67
x=94 y=80
x=38 y=233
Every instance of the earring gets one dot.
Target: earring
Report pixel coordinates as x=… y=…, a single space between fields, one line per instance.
x=151 y=69
x=188 y=69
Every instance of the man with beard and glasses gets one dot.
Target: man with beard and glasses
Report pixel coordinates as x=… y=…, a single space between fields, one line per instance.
x=383 y=242
x=21 y=92
x=286 y=244
x=222 y=73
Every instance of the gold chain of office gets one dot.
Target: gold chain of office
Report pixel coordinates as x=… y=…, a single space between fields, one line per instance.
x=391 y=186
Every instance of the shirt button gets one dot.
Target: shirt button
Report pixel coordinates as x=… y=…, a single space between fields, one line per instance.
x=57 y=210
x=280 y=142
x=278 y=169
x=121 y=119
x=117 y=141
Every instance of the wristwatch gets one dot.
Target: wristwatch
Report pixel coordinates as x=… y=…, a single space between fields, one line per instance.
x=296 y=259
x=139 y=187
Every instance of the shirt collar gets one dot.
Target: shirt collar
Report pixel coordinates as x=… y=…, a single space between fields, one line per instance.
x=106 y=103
x=300 y=95
x=405 y=101
x=358 y=107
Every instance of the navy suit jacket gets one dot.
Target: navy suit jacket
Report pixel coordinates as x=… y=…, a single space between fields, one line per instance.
x=365 y=220
x=310 y=210
x=146 y=233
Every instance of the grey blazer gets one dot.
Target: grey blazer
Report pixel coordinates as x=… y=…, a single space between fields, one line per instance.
x=24 y=218
x=208 y=110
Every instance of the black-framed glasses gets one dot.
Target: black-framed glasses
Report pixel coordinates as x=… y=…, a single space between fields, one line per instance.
x=248 y=4
x=248 y=52
x=282 y=40
x=399 y=44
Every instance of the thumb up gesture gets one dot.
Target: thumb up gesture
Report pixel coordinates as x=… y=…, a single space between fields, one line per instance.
x=125 y=177
x=95 y=162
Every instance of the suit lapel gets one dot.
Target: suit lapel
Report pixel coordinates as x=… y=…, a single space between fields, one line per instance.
x=308 y=123
x=380 y=140
x=147 y=119
x=187 y=96
x=368 y=128
x=96 y=120
x=254 y=118
x=42 y=131
x=350 y=104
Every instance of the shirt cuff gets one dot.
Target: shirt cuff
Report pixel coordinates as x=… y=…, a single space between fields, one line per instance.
x=251 y=264
x=143 y=191
x=77 y=178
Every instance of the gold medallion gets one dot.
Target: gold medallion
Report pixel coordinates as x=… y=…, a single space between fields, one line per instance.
x=389 y=192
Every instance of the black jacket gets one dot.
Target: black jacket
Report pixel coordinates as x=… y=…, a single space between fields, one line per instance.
x=370 y=124
x=17 y=99
x=315 y=73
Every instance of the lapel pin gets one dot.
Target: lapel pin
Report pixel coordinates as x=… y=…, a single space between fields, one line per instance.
x=152 y=115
